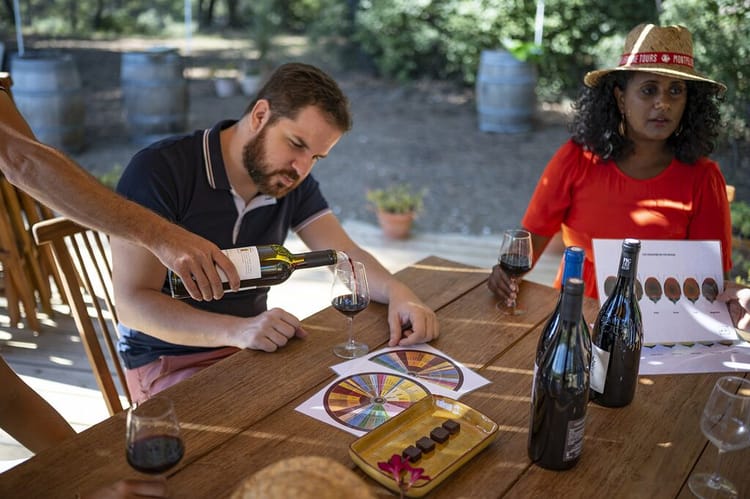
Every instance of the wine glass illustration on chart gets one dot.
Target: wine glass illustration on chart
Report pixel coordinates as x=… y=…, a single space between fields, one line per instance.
x=350 y=295
x=153 y=440
x=726 y=423
x=516 y=255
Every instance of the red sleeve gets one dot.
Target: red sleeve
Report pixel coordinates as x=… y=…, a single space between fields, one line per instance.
x=553 y=194
x=711 y=218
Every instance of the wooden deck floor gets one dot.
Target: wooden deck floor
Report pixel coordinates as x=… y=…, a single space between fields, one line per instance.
x=55 y=365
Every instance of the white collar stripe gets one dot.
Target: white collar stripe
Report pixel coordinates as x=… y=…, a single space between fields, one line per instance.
x=207 y=160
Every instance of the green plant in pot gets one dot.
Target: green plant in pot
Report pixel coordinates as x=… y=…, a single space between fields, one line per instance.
x=396 y=206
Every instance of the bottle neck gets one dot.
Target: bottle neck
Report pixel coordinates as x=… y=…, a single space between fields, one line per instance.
x=314 y=259
x=627 y=271
x=571 y=307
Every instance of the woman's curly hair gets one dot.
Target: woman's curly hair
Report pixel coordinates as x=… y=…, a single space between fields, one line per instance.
x=597 y=119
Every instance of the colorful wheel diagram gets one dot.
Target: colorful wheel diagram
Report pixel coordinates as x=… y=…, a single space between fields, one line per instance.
x=422 y=365
x=365 y=401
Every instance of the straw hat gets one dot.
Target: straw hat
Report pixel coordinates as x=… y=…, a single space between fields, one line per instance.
x=304 y=477
x=664 y=50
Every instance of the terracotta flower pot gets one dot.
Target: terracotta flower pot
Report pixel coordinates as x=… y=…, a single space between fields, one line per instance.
x=395 y=225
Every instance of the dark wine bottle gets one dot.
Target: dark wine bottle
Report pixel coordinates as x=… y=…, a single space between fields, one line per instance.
x=572 y=267
x=262 y=266
x=560 y=390
x=618 y=336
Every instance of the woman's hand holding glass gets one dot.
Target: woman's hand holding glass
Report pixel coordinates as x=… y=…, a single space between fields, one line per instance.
x=514 y=260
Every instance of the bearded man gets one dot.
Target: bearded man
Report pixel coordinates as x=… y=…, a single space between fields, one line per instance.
x=240 y=183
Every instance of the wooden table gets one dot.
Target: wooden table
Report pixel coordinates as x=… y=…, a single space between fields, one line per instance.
x=239 y=415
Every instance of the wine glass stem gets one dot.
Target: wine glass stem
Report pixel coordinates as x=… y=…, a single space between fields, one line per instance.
x=351 y=331
x=715 y=480
x=515 y=300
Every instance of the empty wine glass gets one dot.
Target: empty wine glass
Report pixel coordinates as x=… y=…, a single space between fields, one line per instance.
x=153 y=441
x=516 y=255
x=350 y=295
x=726 y=423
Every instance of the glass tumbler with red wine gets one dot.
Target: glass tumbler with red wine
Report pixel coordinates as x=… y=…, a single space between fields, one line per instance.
x=516 y=255
x=350 y=295
x=153 y=441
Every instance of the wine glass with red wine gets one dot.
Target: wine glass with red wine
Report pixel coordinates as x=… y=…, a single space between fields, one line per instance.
x=516 y=255
x=350 y=295
x=153 y=441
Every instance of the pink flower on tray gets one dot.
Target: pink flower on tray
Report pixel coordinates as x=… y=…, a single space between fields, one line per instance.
x=402 y=472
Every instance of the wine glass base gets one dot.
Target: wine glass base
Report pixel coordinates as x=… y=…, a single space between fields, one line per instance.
x=351 y=350
x=509 y=310
x=707 y=485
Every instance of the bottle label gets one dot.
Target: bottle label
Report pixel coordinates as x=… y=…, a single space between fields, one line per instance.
x=574 y=439
x=599 y=366
x=246 y=260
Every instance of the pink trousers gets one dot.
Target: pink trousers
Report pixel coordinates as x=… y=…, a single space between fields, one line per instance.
x=146 y=381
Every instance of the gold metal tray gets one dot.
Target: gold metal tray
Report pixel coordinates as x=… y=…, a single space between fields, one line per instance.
x=477 y=431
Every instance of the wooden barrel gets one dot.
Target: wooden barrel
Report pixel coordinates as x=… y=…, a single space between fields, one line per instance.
x=505 y=93
x=47 y=90
x=155 y=94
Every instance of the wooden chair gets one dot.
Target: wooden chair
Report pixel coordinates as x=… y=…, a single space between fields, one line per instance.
x=85 y=265
x=27 y=270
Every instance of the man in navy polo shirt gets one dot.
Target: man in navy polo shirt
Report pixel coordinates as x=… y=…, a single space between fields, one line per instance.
x=240 y=183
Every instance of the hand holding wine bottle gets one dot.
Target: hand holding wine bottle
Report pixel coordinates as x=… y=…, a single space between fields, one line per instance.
x=516 y=255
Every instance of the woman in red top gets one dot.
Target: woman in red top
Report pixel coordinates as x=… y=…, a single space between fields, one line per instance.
x=636 y=165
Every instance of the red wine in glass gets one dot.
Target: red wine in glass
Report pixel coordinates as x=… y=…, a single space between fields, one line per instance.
x=515 y=264
x=350 y=295
x=153 y=443
x=349 y=306
x=515 y=258
x=155 y=453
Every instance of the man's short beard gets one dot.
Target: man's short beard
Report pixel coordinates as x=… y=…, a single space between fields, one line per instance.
x=256 y=164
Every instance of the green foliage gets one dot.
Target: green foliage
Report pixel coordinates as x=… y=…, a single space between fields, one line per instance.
x=741 y=248
x=397 y=198
x=524 y=51
x=740 y=219
x=111 y=177
x=721 y=30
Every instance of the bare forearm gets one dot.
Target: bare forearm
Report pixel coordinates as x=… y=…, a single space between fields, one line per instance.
x=26 y=416
x=53 y=179
x=174 y=320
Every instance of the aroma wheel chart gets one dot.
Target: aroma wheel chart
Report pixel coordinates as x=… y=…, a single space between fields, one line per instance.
x=422 y=365
x=364 y=401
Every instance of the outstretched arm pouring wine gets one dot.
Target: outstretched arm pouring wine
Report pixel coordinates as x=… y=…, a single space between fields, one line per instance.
x=55 y=180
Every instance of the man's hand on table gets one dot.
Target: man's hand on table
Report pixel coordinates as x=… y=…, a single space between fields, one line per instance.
x=410 y=321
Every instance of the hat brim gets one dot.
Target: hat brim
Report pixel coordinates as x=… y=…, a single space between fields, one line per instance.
x=591 y=79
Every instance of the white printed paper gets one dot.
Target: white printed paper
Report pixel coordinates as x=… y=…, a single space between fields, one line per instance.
x=677 y=282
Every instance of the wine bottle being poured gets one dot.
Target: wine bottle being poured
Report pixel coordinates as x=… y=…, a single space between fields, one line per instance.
x=264 y=265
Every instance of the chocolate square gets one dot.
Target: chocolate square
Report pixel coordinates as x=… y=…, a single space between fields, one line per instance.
x=451 y=426
x=426 y=444
x=412 y=454
x=439 y=434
